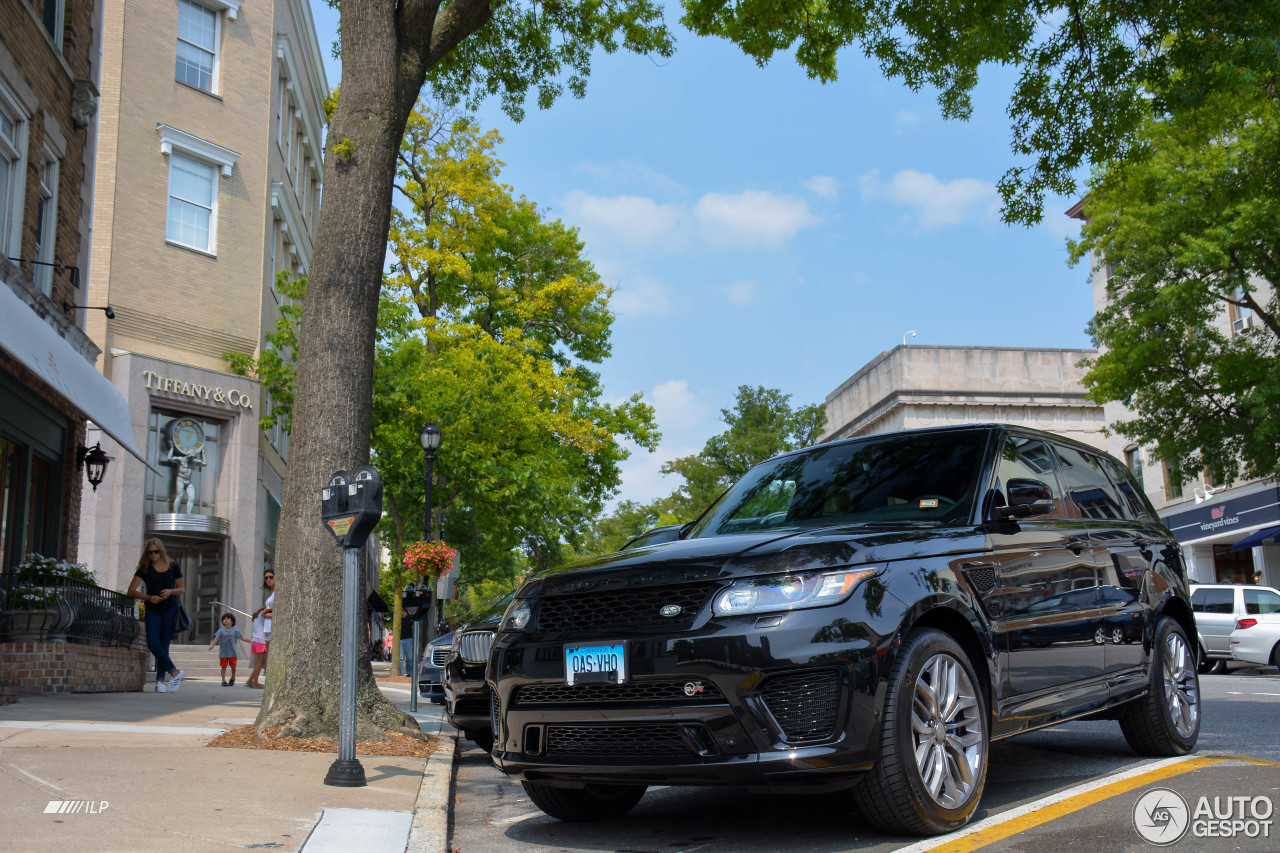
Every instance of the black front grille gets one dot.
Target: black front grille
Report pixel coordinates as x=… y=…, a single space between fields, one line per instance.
x=804 y=703
x=472 y=705
x=683 y=691
x=617 y=741
x=624 y=609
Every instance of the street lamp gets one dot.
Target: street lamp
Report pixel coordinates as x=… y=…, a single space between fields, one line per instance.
x=429 y=438
x=94 y=459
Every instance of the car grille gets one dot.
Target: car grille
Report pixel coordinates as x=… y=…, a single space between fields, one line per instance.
x=638 y=692
x=474 y=705
x=624 y=609
x=473 y=646
x=804 y=703
x=617 y=741
x=440 y=655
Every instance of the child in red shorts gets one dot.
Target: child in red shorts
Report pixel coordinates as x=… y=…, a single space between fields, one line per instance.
x=225 y=638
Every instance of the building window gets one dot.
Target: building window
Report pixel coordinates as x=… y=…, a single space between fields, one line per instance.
x=192 y=193
x=197 y=45
x=46 y=224
x=1241 y=315
x=288 y=136
x=1133 y=461
x=282 y=101
x=13 y=138
x=52 y=17
x=1172 y=483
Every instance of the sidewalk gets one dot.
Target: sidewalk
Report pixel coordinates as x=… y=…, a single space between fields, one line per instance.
x=135 y=775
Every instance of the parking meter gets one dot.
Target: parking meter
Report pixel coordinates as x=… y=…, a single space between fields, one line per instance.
x=350 y=506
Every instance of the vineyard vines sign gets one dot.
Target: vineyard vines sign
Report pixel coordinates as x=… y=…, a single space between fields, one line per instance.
x=205 y=393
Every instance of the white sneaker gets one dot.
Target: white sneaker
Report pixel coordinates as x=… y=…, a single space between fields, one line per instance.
x=176 y=681
x=160 y=688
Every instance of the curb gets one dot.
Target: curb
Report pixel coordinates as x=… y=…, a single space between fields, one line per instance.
x=430 y=833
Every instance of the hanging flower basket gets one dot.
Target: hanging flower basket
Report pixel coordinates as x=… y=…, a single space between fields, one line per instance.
x=429 y=559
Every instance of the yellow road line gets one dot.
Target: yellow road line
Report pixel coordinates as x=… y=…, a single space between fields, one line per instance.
x=1053 y=811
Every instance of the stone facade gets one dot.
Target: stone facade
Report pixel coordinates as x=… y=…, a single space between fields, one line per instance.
x=191 y=277
x=910 y=387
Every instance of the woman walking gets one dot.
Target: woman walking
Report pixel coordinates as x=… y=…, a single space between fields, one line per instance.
x=261 y=639
x=162 y=580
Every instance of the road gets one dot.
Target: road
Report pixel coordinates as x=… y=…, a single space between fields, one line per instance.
x=1241 y=718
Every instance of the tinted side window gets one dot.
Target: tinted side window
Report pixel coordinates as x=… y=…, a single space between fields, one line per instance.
x=1123 y=480
x=1087 y=484
x=1212 y=600
x=1025 y=475
x=1258 y=601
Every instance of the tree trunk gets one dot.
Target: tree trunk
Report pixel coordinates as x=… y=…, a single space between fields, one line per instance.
x=333 y=389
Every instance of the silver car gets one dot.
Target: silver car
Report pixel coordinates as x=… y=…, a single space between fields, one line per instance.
x=431 y=670
x=1217 y=608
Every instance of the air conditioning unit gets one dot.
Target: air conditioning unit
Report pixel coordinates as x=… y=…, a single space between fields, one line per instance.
x=1239 y=324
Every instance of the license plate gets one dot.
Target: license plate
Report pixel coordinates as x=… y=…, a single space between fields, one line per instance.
x=605 y=662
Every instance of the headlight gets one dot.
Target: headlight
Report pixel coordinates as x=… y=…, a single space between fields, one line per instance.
x=789 y=592
x=517 y=616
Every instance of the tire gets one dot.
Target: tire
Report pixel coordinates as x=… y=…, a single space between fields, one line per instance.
x=1117 y=636
x=934 y=744
x=482 y=738
x=1098 y=637
x=1166 y=721
x=580 y=805
x=1275 y=656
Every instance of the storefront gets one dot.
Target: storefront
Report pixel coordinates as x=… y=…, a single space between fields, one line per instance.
x=1232 y=537
x=211 y=496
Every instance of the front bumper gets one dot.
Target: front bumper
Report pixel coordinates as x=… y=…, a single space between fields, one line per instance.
x=776 y=700
x=466 y=695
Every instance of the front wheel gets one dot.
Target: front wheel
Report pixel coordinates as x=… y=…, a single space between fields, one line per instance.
x=933 y=741
x=1166 y=721
x=482 y=738
x=578 y=805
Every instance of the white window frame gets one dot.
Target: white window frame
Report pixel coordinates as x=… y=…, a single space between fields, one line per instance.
x=192 y=147
x=46 y=226
x=14 y=194
x=215 y=64
x=59 y=24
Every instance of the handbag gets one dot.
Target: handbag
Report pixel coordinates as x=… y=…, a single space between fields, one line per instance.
x=181 y=622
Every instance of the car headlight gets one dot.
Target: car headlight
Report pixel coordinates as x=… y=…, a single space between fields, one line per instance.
x=517 y=616
x=789 y=592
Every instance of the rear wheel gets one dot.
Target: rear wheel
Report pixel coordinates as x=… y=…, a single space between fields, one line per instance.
x=1275 y=656
x=933 y=741
x=1166 y=721
x=578 y=805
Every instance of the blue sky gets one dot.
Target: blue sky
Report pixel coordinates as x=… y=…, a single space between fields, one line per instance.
x=760 y=228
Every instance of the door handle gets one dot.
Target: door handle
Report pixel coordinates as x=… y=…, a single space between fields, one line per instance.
x=1142 y=542
x=1077 y=545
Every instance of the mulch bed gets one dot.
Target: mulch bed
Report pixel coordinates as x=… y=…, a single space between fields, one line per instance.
x=397 y=743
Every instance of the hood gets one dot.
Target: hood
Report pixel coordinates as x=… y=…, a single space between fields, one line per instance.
x=739 y=555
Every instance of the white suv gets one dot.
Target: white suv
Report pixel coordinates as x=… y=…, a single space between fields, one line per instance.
x=1217 y=607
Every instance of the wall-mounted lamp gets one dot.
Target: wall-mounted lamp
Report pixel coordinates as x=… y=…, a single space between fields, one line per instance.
x=105 y=309
x=73 y=272
x=911 y=333
x=95 y=460
x=1205 y=492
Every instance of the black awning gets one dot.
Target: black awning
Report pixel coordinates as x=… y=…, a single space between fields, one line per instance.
x=376 y=602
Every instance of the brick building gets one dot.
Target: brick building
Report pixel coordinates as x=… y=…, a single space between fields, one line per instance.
x=48 y=383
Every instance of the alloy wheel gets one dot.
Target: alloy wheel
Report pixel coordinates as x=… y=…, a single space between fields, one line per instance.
x=1181 y=687
x=947 y=731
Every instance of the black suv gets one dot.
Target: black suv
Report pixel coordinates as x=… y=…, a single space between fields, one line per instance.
x=466 y=695
x=865 y=614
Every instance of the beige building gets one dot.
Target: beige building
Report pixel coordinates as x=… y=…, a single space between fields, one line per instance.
x=210 y=148
x=921 y=386
x=1228 y=534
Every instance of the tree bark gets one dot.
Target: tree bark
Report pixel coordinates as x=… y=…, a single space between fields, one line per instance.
x=386 y=51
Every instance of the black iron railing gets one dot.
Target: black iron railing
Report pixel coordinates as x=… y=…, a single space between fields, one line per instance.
x=52 y=607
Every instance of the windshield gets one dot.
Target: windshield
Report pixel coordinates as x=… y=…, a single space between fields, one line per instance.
x=903 y=478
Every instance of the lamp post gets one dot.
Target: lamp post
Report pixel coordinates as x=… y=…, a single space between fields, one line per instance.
x=429 y=438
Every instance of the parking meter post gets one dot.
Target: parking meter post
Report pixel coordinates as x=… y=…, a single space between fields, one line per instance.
x=413 y=673
x=347 y=771
x=350 y=507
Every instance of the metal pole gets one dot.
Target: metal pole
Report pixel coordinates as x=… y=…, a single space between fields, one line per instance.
x=347 y=771
x=430 y=603
x=413 y=673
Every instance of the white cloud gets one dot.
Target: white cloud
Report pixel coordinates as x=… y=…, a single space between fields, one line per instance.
x=905 y=120
x=751 y=219
x=636 y=174
x=676 y=407
x=743 y=292
x=636 y=294
x=823 y=185
x=627 y=218
x=642 y=477
x=935 y=202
